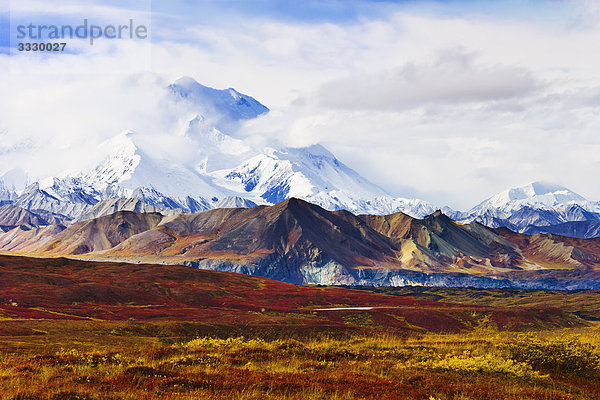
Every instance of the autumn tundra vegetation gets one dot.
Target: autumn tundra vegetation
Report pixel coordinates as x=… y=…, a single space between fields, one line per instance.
x=82 y=330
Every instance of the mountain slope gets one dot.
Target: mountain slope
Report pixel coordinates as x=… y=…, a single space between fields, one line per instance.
x=67 y=198
x=129 y=168
x=84 y=237
x=315 y=175
x=299 y=242
x=552 y=251
x=433 y=243
x=576 y=229
x=12 y=216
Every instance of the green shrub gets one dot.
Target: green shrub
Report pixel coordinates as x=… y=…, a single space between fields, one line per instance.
x=568 y=355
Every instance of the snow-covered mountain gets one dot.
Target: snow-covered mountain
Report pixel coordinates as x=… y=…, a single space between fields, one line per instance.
x=537 y=195
x=220 y=104
x=534 y=208
x=212 y=169
x=311 y=173
x=128 y=171
x=199 y=164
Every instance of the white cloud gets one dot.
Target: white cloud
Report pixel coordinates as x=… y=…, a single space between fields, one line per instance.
x=55 y=124
x=128 y=8
x=454 y=77
x=452 y=109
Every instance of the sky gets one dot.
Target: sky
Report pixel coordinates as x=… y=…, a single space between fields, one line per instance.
x=448 y=101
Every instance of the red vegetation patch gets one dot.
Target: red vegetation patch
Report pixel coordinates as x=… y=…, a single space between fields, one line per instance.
x=33 y=288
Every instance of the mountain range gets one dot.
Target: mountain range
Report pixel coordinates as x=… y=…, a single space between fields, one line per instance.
x=218 y=169
x=298 y=242
x=221 y=170
x=540 y=207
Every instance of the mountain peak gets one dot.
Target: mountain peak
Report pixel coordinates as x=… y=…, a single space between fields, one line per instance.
x=540 y=188
x=294 y=203
x=543 y=187
x=228 y=103
x=186 y=82
x=536 y=195
x=437 y=215
x=537 y=204
x=14 y=179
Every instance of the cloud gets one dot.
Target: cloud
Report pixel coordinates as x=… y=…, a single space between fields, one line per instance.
x=454 y=77
x=586 y=15
x=52 y=125
x=450 y=107
x=106 y=9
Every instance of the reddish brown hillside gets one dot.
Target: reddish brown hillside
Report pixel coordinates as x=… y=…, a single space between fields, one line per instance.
x=67 y=289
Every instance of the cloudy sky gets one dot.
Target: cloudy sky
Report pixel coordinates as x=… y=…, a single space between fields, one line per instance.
x=449 y=101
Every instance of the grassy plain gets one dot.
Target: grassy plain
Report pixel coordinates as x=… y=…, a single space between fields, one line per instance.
x=73 y=330
x=126 y=360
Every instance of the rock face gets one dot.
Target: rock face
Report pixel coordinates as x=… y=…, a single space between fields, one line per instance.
x=299 y=242
x=12 y=216
x=111 y=206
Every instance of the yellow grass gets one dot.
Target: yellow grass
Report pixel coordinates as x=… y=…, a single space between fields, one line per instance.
x=482 y=364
